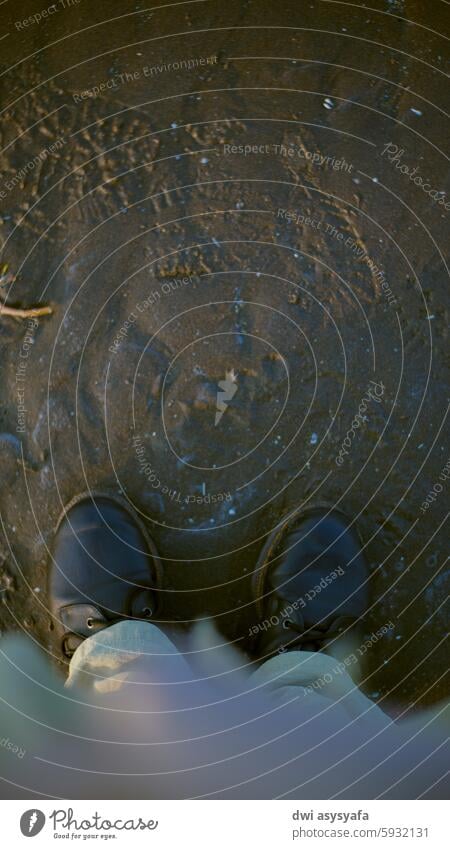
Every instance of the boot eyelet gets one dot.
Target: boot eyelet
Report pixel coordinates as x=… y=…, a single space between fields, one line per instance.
x=286 y=624
x=147 y=612
x=90 y=622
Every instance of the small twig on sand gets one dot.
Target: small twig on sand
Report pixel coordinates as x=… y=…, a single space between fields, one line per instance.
x=15 y=312
x=33 y=312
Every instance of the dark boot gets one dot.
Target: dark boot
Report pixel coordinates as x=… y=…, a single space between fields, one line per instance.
x=104 y=568
x=310 y=583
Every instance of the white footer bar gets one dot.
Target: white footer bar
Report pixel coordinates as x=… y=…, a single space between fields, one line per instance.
x=224 y=824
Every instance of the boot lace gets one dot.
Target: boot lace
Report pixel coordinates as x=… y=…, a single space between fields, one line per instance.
x=317 y=634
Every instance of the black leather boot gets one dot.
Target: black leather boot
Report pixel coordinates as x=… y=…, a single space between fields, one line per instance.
x=310 y=583
x=104 y=568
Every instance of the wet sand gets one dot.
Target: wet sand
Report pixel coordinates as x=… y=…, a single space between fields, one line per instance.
x=206 y=188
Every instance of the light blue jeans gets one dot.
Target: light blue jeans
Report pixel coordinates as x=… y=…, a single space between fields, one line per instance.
x=143 y=718
x=133 y=653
